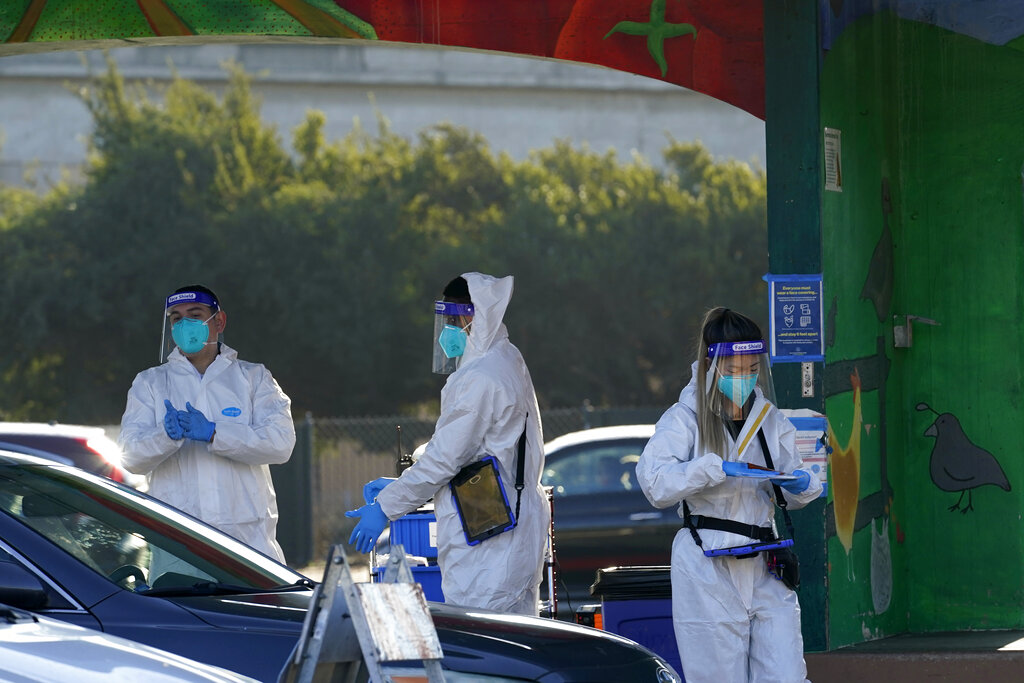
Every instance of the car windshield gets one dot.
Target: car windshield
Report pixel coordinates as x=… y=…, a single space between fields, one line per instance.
x=138 y=542
x=594 y=468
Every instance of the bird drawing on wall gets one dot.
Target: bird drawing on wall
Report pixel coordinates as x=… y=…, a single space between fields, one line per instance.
x=957 y=464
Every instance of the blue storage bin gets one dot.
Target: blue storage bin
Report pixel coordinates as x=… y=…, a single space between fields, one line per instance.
x=417 y=533
x=428 y=577
x=636 y=602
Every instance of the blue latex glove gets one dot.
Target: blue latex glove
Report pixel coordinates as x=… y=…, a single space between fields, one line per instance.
x=733 y=469
x=372 y=488
x=372 y=521
x=195 y=424
x=798 y=485
x=171 y=424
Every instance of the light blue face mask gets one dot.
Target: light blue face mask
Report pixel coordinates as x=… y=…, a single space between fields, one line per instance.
x=452 y=341
x=190 y=334
x=737 y=387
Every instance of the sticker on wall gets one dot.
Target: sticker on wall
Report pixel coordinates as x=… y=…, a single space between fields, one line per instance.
x=833 y=165
x=795 y=318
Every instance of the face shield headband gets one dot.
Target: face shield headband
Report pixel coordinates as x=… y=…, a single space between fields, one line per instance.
x=451 y=324
x=734 y=370
x=183 y=298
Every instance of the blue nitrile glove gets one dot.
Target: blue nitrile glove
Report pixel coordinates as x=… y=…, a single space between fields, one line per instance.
x=195 y=424
x=371 y=525
x=798 y=485
x=372 y=488
x=171 y=424
x=733 y=469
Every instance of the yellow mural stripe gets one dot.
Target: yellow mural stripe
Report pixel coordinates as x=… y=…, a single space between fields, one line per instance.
x=162 y=19
x=754 y=427
x=23 y=30
x=320 y=23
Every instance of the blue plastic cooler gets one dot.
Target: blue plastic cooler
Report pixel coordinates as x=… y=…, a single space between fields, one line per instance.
x=417 y=533
x=429 y=577
x=636 y=602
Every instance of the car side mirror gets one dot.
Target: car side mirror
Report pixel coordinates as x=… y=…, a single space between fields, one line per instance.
x=21 y=588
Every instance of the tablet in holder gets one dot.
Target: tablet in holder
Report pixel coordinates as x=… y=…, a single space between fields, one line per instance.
x=481 y=501
x=751 y=549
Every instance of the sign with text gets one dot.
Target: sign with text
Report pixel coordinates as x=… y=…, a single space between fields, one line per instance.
x=796 y=318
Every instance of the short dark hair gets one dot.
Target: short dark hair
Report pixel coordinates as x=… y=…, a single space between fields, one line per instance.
x=205 y=290
x=457 y=291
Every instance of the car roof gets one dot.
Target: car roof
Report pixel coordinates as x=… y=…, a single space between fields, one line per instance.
x=644 y=431
x=48 y=428
x=58 y=649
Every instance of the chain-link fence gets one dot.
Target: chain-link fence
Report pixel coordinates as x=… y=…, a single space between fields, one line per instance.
x=334 y=457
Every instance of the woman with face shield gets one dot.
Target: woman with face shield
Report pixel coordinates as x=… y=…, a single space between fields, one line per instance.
x=720 y=454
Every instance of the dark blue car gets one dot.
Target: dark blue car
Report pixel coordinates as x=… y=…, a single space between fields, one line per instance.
x=90 y=551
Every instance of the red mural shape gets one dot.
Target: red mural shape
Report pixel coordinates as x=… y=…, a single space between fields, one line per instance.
x=588 y=37
x=712 y=46
x=528 y=27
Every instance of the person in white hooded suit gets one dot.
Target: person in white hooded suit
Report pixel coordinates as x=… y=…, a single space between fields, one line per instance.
x=204 y=426
x=734 y=619
x=485 y=405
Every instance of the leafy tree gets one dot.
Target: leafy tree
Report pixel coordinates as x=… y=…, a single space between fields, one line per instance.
x=327 y=262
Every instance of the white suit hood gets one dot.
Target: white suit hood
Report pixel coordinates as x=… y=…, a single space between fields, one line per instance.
x=490 y=296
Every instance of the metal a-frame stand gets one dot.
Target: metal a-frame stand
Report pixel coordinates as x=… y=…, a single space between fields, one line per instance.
x=377 y=624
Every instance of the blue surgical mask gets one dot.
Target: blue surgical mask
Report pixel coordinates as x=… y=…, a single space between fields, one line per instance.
x=190 y=334
x=452 y=341
x=737 y=387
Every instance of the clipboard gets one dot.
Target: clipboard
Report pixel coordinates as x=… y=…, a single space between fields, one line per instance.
x=749 y=549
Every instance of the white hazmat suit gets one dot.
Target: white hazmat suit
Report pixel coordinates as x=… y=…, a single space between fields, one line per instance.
x=484 y=406
x=226 y=483
x=734 y=621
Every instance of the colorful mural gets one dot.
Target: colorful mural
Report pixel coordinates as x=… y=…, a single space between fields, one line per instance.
x=711 y=46
x=929 y=222
x=927 y=97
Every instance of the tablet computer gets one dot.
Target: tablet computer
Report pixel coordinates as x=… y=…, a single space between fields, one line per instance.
x=481 y=501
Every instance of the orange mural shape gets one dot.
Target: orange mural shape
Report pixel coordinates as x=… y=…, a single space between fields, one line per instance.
x=844 y=466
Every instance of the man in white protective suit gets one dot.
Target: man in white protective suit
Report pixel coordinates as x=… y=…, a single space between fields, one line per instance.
x=204 y=425
x=721 y=454
x=487 y=404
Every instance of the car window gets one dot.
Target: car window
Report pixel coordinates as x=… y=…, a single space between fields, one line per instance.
x=594 y=468
x=131 y=539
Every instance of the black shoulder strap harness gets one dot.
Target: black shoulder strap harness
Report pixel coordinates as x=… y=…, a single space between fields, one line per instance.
x=521 y=466
x=761 y=533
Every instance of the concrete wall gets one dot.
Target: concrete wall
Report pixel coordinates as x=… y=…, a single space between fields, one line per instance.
x=517 y=103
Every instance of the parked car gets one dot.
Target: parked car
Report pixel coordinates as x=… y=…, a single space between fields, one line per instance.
x=92 y=552
x=39 y=649
x=87 y=447
x=601 y=517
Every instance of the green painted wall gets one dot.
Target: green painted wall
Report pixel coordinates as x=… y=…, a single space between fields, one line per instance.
x=940 y=116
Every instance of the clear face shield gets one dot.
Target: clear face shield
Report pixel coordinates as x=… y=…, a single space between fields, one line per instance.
x=737 y=373
x=451 y=334
x=186 y=324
